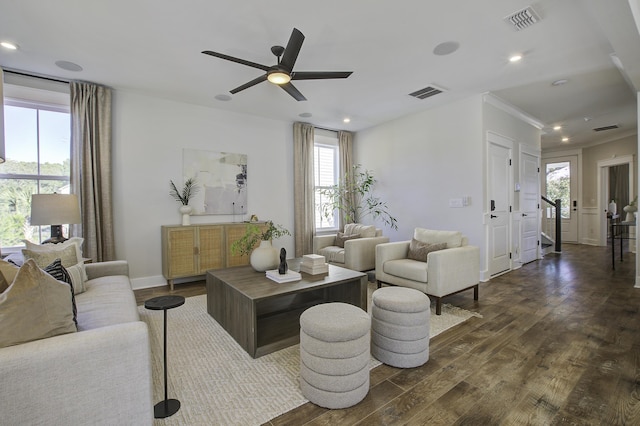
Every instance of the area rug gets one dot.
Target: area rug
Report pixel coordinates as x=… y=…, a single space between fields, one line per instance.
x=217 y=382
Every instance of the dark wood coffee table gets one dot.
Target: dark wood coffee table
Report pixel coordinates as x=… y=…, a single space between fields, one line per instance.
x=262 y=315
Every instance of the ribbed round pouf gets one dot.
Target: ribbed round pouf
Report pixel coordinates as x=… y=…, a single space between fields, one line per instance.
x=400 y=326
x=334 y=354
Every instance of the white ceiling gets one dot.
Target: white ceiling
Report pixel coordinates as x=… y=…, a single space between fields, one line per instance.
x=153 y=46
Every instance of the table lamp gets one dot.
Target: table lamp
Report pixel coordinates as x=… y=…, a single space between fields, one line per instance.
x=55 y=210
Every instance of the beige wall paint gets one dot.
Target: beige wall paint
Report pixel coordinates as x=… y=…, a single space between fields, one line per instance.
x=590 y=158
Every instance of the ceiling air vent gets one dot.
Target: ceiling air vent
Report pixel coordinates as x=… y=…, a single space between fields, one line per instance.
x=523 y=18
x=603 y=128
x=427 y=92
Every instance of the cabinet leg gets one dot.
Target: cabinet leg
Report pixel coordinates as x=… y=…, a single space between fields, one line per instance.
x=170 y=282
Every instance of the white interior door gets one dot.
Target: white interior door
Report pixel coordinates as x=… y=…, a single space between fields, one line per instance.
x=530 y=207
x=500 y=178
x=561 y=182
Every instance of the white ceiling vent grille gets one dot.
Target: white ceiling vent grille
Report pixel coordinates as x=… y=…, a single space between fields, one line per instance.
x=603 y=128
x=427 y=92
x=523 y=18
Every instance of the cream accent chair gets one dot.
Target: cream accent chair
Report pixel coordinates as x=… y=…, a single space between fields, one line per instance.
x=446 y=272
x=358 y=254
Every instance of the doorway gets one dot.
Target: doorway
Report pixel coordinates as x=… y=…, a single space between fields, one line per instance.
x=561 y=182
x=500 y=181
x=615 y=179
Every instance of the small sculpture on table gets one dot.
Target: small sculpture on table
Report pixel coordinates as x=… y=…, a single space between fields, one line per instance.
x=283 y=267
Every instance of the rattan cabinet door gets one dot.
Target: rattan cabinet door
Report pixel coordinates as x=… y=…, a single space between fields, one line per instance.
x=234 y=233
x=180 y=259
x=210 y=248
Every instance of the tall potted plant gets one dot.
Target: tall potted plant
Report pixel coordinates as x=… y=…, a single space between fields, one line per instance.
x=353 y=196
x=265 y=256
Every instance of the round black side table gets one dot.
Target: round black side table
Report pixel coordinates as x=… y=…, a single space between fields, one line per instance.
x=168 y=407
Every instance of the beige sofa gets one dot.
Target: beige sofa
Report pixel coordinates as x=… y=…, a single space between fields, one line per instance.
x=98 y=375
x=447 y=271
x=357 y=254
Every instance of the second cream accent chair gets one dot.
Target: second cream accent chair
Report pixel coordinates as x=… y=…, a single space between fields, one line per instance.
x=358 y=254
x=447 y=271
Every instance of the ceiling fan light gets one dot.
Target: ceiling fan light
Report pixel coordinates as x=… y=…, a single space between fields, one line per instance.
x=279 y=78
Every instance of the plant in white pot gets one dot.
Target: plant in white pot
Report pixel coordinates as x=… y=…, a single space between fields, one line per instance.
x=188 y=191
x=265 y=256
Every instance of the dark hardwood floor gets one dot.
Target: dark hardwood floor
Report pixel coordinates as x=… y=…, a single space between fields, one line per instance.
x=559 y=343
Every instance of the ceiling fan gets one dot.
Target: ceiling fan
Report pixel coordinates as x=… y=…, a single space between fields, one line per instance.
x=282 y=73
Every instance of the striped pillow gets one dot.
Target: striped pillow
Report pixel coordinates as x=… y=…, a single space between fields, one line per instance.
x=57 y=271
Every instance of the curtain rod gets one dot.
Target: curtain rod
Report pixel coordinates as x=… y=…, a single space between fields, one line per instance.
x=328 y=130
x=57 y=80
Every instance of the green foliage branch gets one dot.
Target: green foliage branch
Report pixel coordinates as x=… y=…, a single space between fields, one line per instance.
x=188 y=191
x=355 y=199
x=254 y=234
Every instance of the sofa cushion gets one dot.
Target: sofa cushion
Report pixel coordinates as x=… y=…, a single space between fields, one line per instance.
x=35 y=306
x=333 y=254
x=365 y=231
x=419 y=250
x=67 y=255
x=76 y=242
x=429 y=236
x=407 y=268
x=341 y=238
x=8 y=273
x=106 y=301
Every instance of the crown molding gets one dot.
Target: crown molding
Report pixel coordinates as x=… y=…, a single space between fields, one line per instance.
x=503 y=105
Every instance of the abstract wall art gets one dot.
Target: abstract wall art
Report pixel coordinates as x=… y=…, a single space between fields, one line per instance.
x=221 y=178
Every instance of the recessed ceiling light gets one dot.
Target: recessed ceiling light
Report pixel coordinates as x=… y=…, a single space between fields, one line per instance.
x=69 y=66
x=9 y=45
x=305 y=114
x=557 y=127
x=560 y=82
x=515 y=58
x=346 y=120
x=446 y=48
x=223 y=98
x=565 y=139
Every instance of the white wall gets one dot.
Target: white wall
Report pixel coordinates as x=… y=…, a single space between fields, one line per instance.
x=423 y=160
x=148 y=137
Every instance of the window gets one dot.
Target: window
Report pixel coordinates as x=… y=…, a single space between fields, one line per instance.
x=38 y=151
x=326 y=172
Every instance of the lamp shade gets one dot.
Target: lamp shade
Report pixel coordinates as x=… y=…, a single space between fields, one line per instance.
x=54 y=209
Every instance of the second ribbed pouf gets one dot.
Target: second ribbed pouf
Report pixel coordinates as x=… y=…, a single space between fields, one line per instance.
x=334 y=354
x=400 y=326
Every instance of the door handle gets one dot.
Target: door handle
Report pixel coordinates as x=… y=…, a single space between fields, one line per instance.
x=524 y=214
x=493 y=216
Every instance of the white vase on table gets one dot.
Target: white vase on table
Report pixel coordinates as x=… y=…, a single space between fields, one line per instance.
x=186 y=214
x=630 y=210
x=264 y=257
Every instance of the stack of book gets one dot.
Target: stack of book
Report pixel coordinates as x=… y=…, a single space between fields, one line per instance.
x=284 y=278
x=314 y=264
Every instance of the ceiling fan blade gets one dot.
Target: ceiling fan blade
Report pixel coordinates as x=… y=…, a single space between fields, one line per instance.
x=237 y=60
x=318 y=75
x=291 y=51
x=291 y=89
x=249 y=84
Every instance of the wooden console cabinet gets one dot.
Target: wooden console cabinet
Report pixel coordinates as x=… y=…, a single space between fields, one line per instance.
x=192 y=250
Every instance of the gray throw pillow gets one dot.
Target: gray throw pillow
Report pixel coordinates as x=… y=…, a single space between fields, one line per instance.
x=419 y=250
x=341 y=238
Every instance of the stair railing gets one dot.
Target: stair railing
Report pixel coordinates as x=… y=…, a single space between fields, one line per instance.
x=552 y=229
